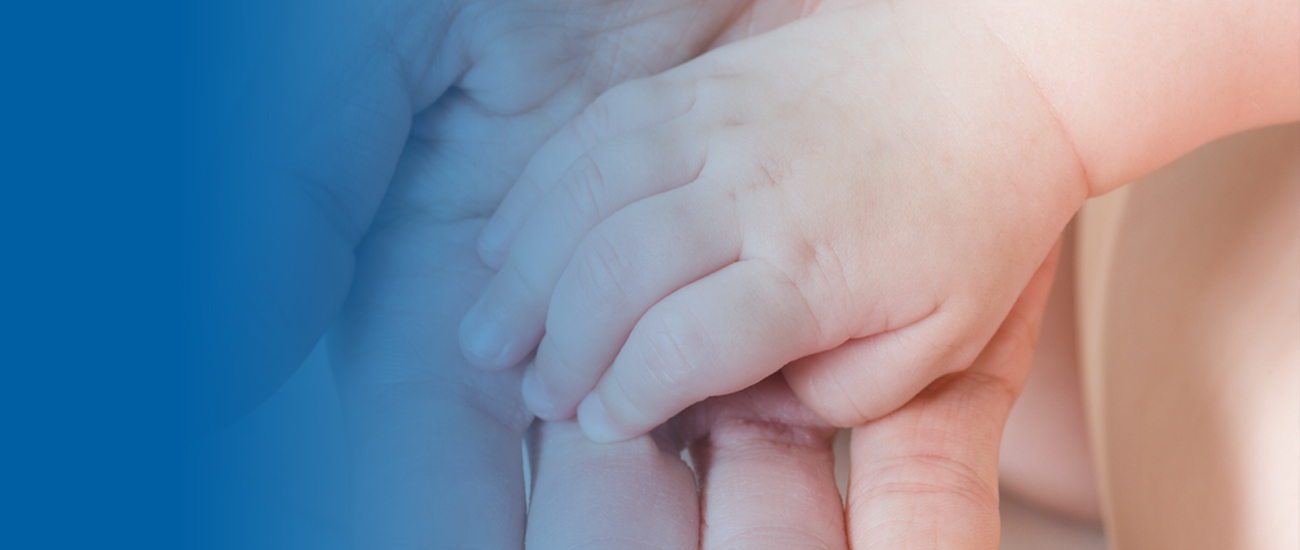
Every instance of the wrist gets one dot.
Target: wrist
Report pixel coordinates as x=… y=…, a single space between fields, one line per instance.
x=1137 y=84
x=948 y=96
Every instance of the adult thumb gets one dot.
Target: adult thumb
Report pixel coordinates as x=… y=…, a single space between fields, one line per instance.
x=925 y=476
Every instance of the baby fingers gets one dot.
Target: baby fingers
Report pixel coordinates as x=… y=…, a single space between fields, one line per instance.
x=508 y=320
x=715 y=336
x=626 y=108
x=623 y=268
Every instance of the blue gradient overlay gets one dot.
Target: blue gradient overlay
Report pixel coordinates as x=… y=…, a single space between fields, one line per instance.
x=240 y=239
x=96 y=225
x=304 y=111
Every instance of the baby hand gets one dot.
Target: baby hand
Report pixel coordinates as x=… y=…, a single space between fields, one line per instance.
x=862 y=193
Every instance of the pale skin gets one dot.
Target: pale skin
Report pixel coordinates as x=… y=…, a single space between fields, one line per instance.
x=832 y=206
x=396 y=356
x=1169 y=349
x=444 y=436
x=407 y=124
x=922 y=476
x=1045 y=457
x=401 y=145
x=1188 y=315
x=357 y=124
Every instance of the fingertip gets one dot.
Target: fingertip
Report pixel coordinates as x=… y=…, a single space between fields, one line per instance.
x=494 y=243
x=817 y=391
x=595 y=421
x=483 y=341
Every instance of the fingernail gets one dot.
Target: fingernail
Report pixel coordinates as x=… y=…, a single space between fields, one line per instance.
x=595 y=421
x=492 y=243
x=537 y=397
x=482 y=339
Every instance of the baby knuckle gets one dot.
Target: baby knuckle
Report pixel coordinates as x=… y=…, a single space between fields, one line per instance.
x=582 y=191
x=840 y=402
x=601 y=275
x=555 y=370
x=669 y=360
x=621 y=402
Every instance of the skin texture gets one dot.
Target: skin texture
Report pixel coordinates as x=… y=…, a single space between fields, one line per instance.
x=319 y=110
x=682 y=220
x=427 y=426
x=423 y=425
x=923 y=476
x=699 y=230
x=405 y=124
x=357 y=122
x=1139 y=84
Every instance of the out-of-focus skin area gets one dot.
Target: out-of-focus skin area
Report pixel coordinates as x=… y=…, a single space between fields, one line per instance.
x=1189 y=310
x=1171 y=338
x=1045 y=456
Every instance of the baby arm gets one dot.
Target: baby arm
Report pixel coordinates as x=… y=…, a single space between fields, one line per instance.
x=883 y=191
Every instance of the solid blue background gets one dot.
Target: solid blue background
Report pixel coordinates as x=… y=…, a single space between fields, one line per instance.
x=97 y=219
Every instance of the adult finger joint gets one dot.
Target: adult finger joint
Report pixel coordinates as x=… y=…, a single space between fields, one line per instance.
x=924 y=475
x=670 y=359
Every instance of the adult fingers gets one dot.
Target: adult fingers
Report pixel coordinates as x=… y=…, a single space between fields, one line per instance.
x=766 y=470
x=625 y=108
x=926 y=474
x=633 y=494
x=620 y=271
x=509 y=319
x=715 y=336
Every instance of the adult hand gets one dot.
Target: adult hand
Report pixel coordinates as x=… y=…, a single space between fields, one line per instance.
x=922 y=476
x=339 y=101
x=438 y=443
